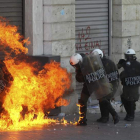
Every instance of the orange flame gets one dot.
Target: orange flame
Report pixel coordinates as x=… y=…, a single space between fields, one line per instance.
x=9 y=37
x=80 y=116
x=29 y=94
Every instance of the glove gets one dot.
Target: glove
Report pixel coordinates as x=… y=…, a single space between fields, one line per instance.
x=121 y=63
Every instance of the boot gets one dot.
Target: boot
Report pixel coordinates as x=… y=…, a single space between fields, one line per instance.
x=126 y=117
x=82 y=118
x=104 y=112
x=114 y=114
x=132 y=107
x=126 y=106
x=116 y=118
x=101 y=110
x=82 y=122
x=103 y=119
x=129 y=118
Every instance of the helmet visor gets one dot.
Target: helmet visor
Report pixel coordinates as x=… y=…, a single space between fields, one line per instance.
x=129 y=56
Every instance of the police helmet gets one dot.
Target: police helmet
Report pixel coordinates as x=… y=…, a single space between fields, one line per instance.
x=130 y=52
x=99 y=52
x=75 y=59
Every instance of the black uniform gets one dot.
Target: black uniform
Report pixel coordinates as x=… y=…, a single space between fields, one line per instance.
x=84 y=94
x=130 y=78
x=6 y=79
x=104 y=103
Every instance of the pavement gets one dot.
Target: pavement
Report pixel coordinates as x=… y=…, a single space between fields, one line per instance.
x=93 y=131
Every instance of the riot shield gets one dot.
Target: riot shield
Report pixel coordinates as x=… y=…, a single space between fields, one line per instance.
x=95 y=76
x=130 y=78
x=112 y=74
x=131 y=74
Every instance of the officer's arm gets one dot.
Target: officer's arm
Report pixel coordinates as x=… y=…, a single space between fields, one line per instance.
x=79 y=76
x=121 y=63
x=122 y=77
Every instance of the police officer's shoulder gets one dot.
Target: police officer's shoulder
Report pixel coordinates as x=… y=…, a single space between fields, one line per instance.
x=137 y=63
x=82 y=54
x=121 y=61
x=106 y=59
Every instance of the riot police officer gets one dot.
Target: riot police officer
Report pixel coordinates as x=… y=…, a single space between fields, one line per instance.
x=130 y=79
x=104 y=103
x=74 y=61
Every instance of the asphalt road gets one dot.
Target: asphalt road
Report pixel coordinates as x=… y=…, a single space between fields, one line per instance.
x=93 y=131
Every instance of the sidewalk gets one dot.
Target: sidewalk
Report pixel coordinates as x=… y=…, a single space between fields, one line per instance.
x=93 y=131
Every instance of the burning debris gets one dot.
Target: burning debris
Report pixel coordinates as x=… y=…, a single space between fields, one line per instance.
x=31 y=90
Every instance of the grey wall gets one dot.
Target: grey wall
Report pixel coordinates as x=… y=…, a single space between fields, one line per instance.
x=34 y=26
x=50 y=25
x=126 y=23
x=59 y=38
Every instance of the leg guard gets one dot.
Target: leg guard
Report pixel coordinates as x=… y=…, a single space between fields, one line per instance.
x=104 y=108
x=101 y=109
x=83 y=109
x=126 y=106
x=109 y=109
x=82 y=112
x=104 y=111
x=132 y=107
x=114 y=114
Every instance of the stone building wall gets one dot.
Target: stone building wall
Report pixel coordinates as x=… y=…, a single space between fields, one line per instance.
x=50 y=25
x=59 y=38
x=125 y=25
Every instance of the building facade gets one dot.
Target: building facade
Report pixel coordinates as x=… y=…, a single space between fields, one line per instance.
x=64 y=27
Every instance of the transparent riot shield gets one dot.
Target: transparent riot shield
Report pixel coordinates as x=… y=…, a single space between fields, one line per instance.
x=112 y=74
x=95 y=76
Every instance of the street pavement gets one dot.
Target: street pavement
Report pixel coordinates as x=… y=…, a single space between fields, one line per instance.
x=93 y=131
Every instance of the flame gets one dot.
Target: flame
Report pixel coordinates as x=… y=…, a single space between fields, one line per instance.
x=33 y=91
x=9 y=37
x=80 y=113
